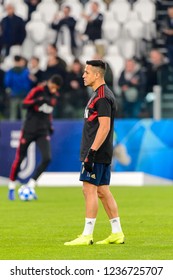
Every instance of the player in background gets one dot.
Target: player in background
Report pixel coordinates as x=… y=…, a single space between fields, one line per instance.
x=37 y=127
x=96 y=156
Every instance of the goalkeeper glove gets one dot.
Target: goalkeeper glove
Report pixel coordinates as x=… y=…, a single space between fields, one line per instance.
x=89 y=161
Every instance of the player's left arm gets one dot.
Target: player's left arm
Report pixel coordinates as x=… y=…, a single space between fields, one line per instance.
x=103 y=107
x=32 y=99
x=102 y=132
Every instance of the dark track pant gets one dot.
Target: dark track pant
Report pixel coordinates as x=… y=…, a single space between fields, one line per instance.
x=43 y=143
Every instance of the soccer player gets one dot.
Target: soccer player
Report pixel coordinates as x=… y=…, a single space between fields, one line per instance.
x=37 y=127
x=96 y=155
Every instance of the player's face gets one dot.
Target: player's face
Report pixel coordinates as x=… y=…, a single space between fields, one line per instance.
x=89 y=75
x=53 y=88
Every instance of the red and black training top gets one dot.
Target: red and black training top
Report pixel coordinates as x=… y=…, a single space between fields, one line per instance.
x=39 y=104
x=101 y=104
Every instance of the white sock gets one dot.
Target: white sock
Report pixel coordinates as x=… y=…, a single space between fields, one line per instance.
x=115 y=224
x=11 y=185
x=31 y=183
x=89 y=226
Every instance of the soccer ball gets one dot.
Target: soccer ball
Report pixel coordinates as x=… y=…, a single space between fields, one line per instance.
x=26 y=194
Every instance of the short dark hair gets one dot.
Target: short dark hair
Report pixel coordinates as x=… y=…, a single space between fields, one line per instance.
x=97 y=63
x=53 y=45
x=17 y=58
x=67 y=7
x=57 y=80
x=35 y=57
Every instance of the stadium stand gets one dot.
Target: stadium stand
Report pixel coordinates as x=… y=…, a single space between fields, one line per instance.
x=48 y=5
x=130 y=28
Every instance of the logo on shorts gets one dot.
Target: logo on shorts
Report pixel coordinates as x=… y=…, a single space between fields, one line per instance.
x=93 y=176
x=83 y=168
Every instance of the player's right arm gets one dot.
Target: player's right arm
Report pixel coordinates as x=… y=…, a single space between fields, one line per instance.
x=33 y=99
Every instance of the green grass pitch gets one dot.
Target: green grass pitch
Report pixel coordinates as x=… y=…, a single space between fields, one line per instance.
x=37 y=230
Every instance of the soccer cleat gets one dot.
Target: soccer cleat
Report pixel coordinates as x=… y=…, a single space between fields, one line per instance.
x=113 y=238
x=11 y=195
x=81 y=240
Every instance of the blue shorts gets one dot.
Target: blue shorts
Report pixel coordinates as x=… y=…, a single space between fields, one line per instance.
x=100 y=176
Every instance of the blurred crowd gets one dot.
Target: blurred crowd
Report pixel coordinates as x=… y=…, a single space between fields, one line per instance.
x=133 y=86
